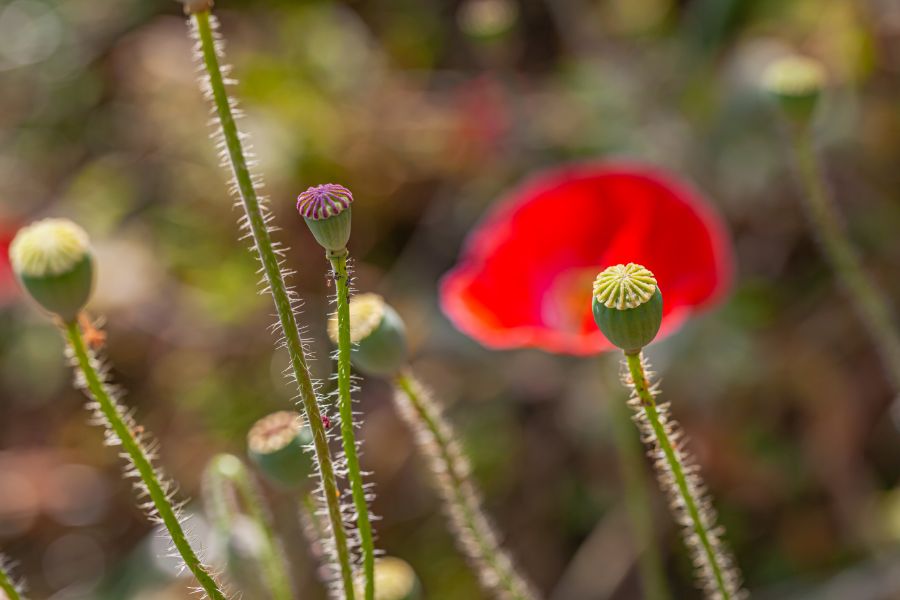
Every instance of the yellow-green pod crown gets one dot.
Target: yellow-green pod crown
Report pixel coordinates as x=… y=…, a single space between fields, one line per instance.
x=627 y=306
x=795 y=82
x=378 y=335
x=395 y=579
x=52 y=259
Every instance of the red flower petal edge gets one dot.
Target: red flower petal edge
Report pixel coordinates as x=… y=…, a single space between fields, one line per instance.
x=525 y=273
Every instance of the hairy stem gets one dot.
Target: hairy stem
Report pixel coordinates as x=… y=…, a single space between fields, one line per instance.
x=681 y=480
x=869 y=301
x=276 y=284
x=226 y=477
x=117 y=423
x=6 y=583
x=637 y=499
x=475 y=535
x=345 y=405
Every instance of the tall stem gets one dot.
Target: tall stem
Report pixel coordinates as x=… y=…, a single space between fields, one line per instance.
x=271 y=267
x=122 y=431
x=462 y=503
x=682 y=482
x=869 y=301
x=637 y=499
x=345 y=405
x=227 y=473
x=6 y=583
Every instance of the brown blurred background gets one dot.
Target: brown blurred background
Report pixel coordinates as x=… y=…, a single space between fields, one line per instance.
x=428 y=110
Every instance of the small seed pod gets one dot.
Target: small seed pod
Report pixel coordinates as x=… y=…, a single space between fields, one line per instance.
x=326 y=210
x=395 y=579
x=53 y=261
x=795 y=82
x=378 y=334
x=627 y=306
x=276 y=444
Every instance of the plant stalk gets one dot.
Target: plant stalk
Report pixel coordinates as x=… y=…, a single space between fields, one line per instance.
x=270 y=262
x=139 y=459
x=345 y=406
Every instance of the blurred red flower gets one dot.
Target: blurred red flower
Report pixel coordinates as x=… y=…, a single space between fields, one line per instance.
x=524 y=277
x=8 y=287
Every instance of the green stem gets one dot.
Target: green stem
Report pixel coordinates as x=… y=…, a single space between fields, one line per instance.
x=7 y=586
x=869 y=301
x=686 y=490
x=278 y=289
x=139 y=460
x=637 y=499
x=234 y=473
x=477 y=537
x=339 y=268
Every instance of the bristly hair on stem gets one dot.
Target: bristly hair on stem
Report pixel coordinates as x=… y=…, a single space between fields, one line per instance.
x=13 y=589
x=255 y=223
x=154 y=491
x=473 y=530
x=680 y=479
x=361 y=496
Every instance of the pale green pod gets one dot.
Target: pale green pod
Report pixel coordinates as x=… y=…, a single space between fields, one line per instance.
x=276 y=445
x=378 y=335
x=795 y=83
x=627 y=306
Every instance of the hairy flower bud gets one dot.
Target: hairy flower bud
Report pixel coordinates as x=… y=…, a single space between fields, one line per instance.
x=53 y=261
x=326 y=210
x=378 y=334
x=795 y=82
x=627 y=306
x=276 y=444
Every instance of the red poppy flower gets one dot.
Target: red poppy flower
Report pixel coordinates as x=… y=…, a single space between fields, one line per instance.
x=524 y=278
x=8 y=287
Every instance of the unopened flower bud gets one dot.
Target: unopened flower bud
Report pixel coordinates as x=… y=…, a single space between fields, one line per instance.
x=395 y=579
x=276 y=445
x=326 y=210
x=53 y=261
x=627 y=306
x=378 y=334
x=796 y=83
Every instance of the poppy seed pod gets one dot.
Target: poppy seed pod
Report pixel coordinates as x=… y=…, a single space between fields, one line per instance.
x=378 y=335
x=326 y=210
x=395 y=579
x=53 y=261
x=627 y=306
x=795 y=82
x=276 y=444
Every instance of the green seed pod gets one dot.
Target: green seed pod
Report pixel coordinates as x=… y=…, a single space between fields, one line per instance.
x=395 y=579
x=326 y=210
x=795 y=82
x=276 y=445
x=378 y=334
x=627 y=306
x=53 y=261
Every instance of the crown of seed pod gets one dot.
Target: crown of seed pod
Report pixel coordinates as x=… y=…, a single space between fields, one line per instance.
x=326 y=210
x=395 y=579
x=795 y=82
x=53 y=261
x=378 y=335
x=627 y=306
x=276 y=444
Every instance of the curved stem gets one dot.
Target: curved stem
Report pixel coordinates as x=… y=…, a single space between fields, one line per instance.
x=683 y=484
x=278 y=289
x=869 y=301
x=142 y=466
x=228 y=470
x=461 y=499
x=345 y=405
x=637 y=500
x=6 y=584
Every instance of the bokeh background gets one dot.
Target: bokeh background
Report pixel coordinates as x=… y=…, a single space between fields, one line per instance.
x=429 y=110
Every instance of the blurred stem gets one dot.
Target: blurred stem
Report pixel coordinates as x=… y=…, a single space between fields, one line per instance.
x=339 y=269
x=476 y=536
x=679 y=473
x=637 y=499
x=272 y=561
x=7 y=587
x=139 y=459
x=278 y=289
x=869 y=301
